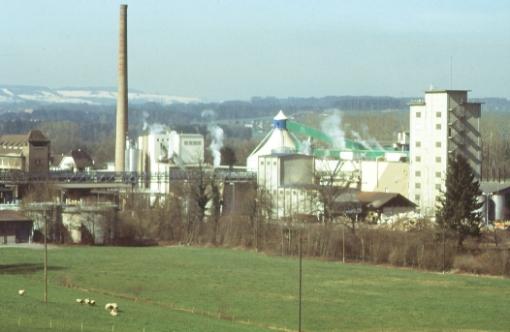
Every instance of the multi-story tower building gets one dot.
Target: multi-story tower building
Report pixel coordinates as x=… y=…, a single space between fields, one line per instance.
x=442 y=124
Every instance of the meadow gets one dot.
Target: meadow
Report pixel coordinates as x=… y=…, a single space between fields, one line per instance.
x=209 y=289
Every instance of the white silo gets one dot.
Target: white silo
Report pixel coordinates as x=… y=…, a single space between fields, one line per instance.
x=279 y=140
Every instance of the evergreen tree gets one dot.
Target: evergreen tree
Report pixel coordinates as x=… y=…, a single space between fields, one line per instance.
x=458 y=209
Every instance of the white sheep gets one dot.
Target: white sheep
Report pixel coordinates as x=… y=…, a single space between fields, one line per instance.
x=21 y=292
x=111 y=306
x=86 y=301
x=80 y=301
x=92 y=302
x=114 y=312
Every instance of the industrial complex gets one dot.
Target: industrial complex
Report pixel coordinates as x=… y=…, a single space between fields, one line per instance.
x=294 y=164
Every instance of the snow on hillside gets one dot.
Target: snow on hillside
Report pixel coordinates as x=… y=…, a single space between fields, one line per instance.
x=92 y=96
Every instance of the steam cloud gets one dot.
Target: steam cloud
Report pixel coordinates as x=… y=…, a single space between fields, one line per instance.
x=217 y=136
x=332 y=127
x=216 y=143
x=370 y=142
x=306 y=147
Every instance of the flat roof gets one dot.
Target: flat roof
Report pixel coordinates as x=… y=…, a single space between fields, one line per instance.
x=445 y=91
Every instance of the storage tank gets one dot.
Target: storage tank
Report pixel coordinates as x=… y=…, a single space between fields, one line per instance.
x=132 y=153
x=499 y=207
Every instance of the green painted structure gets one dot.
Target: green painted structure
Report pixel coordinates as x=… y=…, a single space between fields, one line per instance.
x=355 y=147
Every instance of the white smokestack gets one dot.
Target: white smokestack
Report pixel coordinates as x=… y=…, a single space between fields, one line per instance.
x=122 y=102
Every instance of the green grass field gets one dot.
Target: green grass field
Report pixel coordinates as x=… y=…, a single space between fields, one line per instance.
x=200 y=289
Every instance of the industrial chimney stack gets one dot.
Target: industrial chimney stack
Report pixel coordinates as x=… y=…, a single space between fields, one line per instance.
x=122 y=100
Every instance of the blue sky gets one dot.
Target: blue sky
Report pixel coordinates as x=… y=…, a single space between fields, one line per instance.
x=228 y=49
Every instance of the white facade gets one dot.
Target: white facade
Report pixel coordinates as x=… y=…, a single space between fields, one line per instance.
x=154 y=153
x=445 y=122
x=385 y=176
x=188 y=148
x=289 y=180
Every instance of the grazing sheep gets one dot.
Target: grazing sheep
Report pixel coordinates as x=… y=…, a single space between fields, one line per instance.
x=92 y=302
x=86 y=301
x=111 y=306
x=114 y=312
x=80 y=301
x=21 y=292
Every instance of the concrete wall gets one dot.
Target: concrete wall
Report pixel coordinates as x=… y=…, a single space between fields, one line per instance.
x=89 y=224
x=74 y=223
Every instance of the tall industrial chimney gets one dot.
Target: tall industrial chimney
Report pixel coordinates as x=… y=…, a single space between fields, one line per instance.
x=122 y=100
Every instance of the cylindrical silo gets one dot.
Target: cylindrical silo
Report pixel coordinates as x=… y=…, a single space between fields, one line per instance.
x=499 y=207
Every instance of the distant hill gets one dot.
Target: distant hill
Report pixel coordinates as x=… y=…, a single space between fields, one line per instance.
x=18 y=96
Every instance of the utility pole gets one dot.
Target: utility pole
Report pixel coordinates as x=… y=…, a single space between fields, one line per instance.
x=45 y=259
x=300 y=275
x=343 y=244
x=444 y=250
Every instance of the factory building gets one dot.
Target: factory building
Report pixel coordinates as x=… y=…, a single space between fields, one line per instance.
x=444 y=123
x=185 y=148
x=155 y=152
x=290 y=180
x=26 y=152
x=294 y=175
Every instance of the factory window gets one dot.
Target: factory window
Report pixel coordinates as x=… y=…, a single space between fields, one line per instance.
x=438 y=159
x=417 y=173
x=438 y=144
x=438 y=114
x=416 y=197
x=418 y=114
x=417 y=185
x=438 y=174
x=418 y=158
x=418 y=144
x=438 y=126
